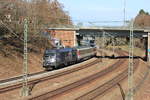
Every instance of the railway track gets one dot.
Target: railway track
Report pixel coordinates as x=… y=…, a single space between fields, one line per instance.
x=106 y=86
x=57 y=92
x=12 y=83
x=35 y=81
x=19 y=77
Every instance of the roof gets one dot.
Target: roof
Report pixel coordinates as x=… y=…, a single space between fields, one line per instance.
x=66 y=29
x=50 y=51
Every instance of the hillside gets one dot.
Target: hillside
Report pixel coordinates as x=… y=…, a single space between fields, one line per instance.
x=12 y=27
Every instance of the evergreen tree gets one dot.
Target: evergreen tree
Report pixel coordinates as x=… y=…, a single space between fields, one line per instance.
x=143 y=12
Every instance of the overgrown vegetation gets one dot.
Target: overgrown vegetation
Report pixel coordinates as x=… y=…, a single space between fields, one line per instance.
x=41 y=14
x=121 y=41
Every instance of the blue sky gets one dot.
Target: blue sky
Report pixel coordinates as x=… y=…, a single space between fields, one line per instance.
x=103 y=10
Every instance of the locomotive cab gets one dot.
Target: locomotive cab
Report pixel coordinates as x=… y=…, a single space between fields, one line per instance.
x=49 y=59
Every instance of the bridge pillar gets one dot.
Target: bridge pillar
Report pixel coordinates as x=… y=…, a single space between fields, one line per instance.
x=146 y=57
x=148 y=47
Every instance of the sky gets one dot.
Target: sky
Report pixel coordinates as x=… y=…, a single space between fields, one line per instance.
x=103 y=10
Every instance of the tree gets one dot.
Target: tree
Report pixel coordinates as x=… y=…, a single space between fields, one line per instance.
x=142 y=20
x=41 y=14
x=143 y=12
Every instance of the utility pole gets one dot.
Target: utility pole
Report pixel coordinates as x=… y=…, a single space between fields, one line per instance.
x=130 y=67
x=25 y=62
x=124 y=13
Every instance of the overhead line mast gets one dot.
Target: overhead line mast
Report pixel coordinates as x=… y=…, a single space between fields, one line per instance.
x=124 y=13
x=131 y=64
x=25 y=61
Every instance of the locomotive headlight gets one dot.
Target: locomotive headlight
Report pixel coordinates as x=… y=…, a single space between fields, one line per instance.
x=52 y=58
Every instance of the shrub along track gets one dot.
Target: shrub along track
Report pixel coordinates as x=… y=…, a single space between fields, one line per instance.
x=56 y=93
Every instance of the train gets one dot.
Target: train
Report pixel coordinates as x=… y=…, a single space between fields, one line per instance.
x=55 y=58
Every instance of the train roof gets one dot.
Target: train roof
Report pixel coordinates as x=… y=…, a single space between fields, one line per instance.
x=66 y=49
x=59 y=50
x=51 y=50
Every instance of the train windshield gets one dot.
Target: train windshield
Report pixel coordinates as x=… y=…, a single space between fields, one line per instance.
x=50 y=55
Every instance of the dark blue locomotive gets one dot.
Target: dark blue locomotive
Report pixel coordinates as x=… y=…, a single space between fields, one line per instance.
x=54 y=58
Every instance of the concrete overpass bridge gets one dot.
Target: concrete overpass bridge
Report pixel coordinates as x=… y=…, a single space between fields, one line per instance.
x=111 y=31
x=116 y=32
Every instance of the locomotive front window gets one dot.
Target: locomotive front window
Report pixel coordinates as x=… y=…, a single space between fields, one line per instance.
x=50 y=54
x=50 y=57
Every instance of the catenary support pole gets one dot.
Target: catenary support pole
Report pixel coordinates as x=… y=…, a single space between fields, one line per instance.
x=130 y=67
x=124 y=13
x=25 y=62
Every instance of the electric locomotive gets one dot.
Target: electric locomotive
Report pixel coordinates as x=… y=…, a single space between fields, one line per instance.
x=55 y=58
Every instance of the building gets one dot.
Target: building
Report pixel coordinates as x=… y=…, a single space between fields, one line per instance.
x=67 y=36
